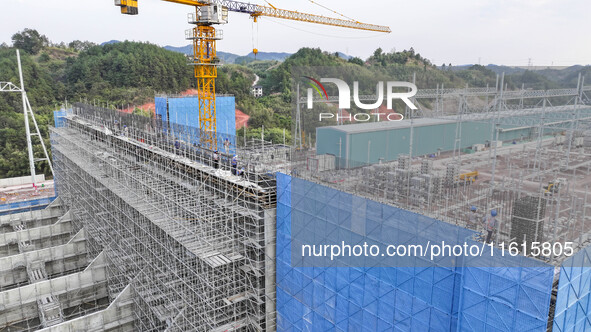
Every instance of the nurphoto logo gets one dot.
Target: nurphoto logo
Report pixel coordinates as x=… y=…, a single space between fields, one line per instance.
x=344 y=98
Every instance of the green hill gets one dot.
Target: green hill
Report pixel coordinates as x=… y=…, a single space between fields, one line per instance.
x=115 y=72
x=121 y=73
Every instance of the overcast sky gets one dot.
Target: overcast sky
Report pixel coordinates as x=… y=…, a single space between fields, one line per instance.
x=509 y=32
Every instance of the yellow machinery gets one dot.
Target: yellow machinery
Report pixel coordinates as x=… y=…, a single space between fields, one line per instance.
x=211 y=12
x=553 y=187
x=469 y=177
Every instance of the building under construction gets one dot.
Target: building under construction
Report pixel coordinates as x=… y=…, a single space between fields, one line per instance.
x=151 y=233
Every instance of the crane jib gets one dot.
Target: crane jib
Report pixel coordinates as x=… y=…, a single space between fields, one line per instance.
x=258 y=10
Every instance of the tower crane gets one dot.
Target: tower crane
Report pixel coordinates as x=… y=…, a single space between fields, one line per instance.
x=204 y=35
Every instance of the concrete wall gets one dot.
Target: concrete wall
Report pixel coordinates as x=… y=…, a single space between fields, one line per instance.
x=21 y=303
x=58 y=259
x=117 y=317
x=21 y=180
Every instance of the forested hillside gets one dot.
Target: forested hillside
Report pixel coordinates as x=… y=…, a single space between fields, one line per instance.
x=126 y=72
x=118 y=74
x=114 y=74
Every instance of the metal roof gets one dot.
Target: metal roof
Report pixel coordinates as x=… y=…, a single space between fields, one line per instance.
x=386 y=125
x=487 y=116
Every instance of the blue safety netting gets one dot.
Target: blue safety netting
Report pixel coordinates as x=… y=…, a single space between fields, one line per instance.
x=160 y=108
x=573 y=308
x=356 y=298
x=180 y=116
x=59 y=118
x=226 y=115
x=511 y=294
x=413 y=298
x=185 y=111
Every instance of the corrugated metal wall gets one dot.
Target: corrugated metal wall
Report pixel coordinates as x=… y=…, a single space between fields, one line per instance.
x=387 y=145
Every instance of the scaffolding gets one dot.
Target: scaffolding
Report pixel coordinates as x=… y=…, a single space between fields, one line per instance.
x=164 y=234
x=445 y=188
x=191 y=235
x=538 y=182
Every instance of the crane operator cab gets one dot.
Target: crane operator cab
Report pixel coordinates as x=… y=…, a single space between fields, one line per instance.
x=213 y=14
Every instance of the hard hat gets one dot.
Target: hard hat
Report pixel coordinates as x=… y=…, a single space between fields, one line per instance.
x=216 y=151
x=226 y=139
x=235 y=156
x=493 y=213
x=472 y=208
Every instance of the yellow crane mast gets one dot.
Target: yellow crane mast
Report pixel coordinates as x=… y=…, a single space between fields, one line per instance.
x=205 y=61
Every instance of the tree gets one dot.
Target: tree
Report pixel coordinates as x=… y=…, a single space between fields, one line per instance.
x=80 y=46
x=356 y=60
x=377 y=53
x=30 y=41
x=44 y=57
x=139 y=111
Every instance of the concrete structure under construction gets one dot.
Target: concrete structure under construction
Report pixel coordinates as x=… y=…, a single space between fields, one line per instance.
x=193 y=241
x=48 y=276
x=538 y=183
x=150 y=233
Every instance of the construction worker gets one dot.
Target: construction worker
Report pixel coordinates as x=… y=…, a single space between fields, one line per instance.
x=125 y=131
x=216 y=159
x=490 y=224
x=472 y=217
x=234 y=164
x=241 y=172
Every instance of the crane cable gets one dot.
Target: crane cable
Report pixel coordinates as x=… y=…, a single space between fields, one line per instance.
x=268 y=3
x=378 y=34
x=255 y=39
x=334 y=11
